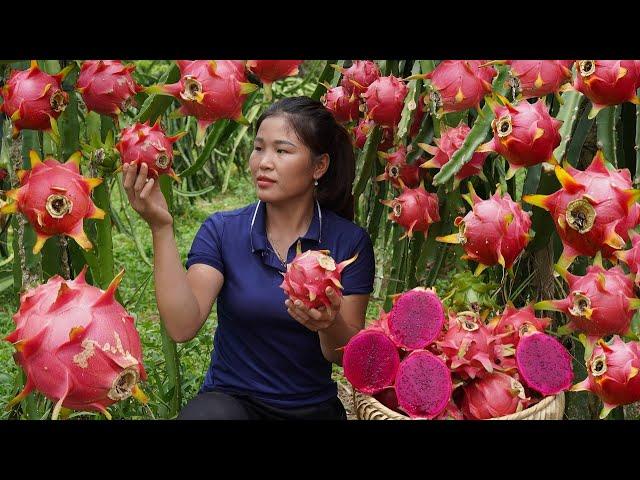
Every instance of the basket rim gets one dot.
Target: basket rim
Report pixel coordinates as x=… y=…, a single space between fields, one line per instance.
x=541 y=405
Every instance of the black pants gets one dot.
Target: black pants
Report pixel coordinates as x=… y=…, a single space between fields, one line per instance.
x=224 y=406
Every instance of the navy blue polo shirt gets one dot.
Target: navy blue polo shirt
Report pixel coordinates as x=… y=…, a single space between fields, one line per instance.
x=258 y=349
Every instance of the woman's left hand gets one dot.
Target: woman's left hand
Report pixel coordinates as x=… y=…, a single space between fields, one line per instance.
x=313 y=318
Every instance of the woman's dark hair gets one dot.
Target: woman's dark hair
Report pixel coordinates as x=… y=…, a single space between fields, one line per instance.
x=318 y=130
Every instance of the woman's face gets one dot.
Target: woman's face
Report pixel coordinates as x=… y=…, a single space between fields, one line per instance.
x=281 y=165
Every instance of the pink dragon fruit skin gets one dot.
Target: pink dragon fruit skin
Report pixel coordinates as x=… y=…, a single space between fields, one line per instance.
x=451 y=412
x=385 y=100
x=361 y=132
x=55 y=198
x=33 y=99
x=495 y=231
x=613 y=374
x=310 y=273
x=269 y=71
x=607 y=82
x=423 y=385
x=494 y=395
x=538 y=78
x=209 y=90
x=468 y=345
x=107 y=86
x=370 y=360
x=593 y=211
x=544 y=364
x=397 y=169
x=415 y=319
x=77 y=345
x=357 y=78
x=516 y=321
x=344 y=107
x=631 y=257
x=458 y=85
x=599 y=303
x=142 y=143
x=450 y=141
x=525 y=134
x=414 y=209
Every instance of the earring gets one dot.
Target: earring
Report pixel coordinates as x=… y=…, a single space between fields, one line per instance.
x=315 y=182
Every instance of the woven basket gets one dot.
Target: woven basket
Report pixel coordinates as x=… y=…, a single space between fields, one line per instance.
x=549 y=408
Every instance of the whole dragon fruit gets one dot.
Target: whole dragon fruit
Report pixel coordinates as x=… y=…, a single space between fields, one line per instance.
x=344 y=107
x=495 y=395
x=310 y=273
x=209 y=90
x=525 y=134
x=397 y=169
x=415 y=319
x=77 y=345
x=468 y=345
x=385 y=100
x=414 y=210
x=516 y=322
x=495 y=231
x=458 y=85
x=370 y=360
x=631 y=257
x=269 y=71
x=537 y=78
x=107 y=86
x=361 y=132
x=593 y=210
x=607 y=82
x=357 y=78
x=613 y=374
x=599 y=303
x=450 y=141
x=141 y=143
x=33 y=99
x=55 y=198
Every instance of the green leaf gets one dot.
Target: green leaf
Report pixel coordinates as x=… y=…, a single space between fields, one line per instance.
x=606 y=125
x=368 y=156
x=155 y=105
x=212 y=139
x=326 y=76
x=579 y=136
x=567 y=114
x=410 y=104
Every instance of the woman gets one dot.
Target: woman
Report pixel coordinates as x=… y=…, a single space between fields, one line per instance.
x=272 y=358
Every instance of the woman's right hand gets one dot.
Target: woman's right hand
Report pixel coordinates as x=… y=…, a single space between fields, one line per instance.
x=145 y=196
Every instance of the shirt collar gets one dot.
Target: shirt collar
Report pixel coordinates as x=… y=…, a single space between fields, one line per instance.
x=258 y=230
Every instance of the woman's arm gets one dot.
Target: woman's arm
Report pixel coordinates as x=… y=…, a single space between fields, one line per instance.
x=349 y=321
x=184 y=298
